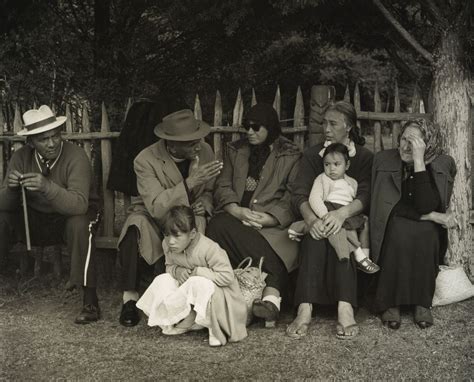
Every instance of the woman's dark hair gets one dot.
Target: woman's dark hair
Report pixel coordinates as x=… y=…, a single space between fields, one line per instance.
x=178 y=219
x=265 y=115
x=337 y=148
x=350 y=115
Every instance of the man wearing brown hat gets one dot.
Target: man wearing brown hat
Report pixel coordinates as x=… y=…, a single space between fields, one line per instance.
x=177 y=170
x=57 y=178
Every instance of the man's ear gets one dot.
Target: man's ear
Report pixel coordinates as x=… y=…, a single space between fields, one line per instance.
x=348 y=164
x=193 y=233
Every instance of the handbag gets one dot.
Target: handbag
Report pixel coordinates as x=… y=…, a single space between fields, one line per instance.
x=251 y=281
x=452 y=285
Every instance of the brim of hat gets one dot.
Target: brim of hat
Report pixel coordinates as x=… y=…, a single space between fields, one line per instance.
x=59 y=121
x=204 y=130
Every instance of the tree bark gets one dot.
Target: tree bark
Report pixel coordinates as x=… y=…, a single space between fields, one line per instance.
x=452 y=113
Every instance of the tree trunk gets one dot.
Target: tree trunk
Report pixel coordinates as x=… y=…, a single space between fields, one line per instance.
x=452 y=113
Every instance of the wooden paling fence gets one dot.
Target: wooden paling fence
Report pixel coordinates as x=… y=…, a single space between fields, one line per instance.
x=305 y=130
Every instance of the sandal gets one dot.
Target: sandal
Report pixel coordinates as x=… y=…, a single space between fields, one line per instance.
x=346 y=332
x=368 y=266
x=299 y=332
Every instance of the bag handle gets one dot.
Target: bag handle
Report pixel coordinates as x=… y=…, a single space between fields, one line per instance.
x=247 y=259
x=260 y=264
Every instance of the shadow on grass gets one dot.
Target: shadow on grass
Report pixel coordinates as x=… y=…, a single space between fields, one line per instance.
x=40 y=341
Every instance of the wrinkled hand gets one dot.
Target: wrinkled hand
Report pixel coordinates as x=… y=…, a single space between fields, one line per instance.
x=317 y=230
x=418 y=147
x=265 y=219
x=198 y=208
x=333 y=222
x=35 y=182
x=14 y=179
x=184 y=275
x=203 y=174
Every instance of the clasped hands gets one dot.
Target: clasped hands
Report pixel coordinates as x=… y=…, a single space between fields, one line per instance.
x=254 y=219
x=32 y=181
x=184 y=274
x=330 y=224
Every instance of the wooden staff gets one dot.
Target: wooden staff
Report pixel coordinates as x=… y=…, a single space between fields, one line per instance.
x=25 y=215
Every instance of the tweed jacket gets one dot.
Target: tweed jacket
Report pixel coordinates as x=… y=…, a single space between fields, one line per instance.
x=386 y=192
x=161 y=186
x=272 y=194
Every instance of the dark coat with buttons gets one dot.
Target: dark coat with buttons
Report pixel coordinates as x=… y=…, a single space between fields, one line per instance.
x=386 y=193
x=272 y=194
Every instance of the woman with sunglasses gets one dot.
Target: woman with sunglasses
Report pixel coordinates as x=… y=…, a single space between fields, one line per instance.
x=253 y=195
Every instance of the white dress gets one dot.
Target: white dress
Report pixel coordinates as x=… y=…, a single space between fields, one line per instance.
x=212 y=292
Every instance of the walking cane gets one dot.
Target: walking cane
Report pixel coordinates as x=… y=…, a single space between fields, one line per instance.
x=24 y=262
x=25 y=216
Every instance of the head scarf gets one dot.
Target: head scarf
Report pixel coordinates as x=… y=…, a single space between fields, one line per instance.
x=431 y=137
x=263 y=115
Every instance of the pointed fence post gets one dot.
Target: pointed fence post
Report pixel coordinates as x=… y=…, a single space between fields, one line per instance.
x=254 y=98
x=298 y=119
x=17 y=126
x=357 y=104
x=396 y=124
x=2 y=145
x=197 y=108
x=108 y=195
x=127 y=108
x=347 y=94
x=69 y=121
x=237 y=115
x=218 y=123
x=86 y=128
x=277 y=102
x=378 y=144
x=415 y=101
x=321 y=96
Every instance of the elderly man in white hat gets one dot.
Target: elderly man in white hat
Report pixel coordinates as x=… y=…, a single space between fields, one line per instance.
x=57 y=178
x=177 y=170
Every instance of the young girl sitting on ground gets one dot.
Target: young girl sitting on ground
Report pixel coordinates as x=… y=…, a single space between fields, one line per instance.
x=199 y=289
x=333 y=189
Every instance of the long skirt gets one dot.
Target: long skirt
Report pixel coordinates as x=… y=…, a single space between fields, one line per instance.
x=322 y=277
x=166 y=303
x=408 y=264
x=241 y=241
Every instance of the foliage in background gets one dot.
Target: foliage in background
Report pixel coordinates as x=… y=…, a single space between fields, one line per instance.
x=103 y=50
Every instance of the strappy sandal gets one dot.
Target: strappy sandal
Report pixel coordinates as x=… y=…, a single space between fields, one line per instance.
x=368 y=266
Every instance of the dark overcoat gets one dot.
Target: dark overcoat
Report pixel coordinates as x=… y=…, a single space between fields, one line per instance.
x=386 y=193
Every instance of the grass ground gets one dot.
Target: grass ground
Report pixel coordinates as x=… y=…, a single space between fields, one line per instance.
x=39 y=341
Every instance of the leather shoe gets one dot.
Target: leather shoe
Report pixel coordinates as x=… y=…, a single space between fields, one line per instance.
x=392 y=324
x=423 y=317
x=129 y=315
x=265 y=309
x=391 y=318
x=90 y=313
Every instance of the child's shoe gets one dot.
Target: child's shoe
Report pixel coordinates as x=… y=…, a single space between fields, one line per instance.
x=213 y=341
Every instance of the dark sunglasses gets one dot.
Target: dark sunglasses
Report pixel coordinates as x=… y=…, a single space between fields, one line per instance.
x=254 y=126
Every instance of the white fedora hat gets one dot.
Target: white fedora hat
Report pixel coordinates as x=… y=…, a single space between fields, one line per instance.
x=38 y=121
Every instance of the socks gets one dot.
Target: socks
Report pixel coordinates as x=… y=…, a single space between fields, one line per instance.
x=273 y=299
x=360 y=254
x=130 y=295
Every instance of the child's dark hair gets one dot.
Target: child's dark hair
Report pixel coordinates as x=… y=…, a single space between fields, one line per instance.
x=337 y=148
x=178 y=219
